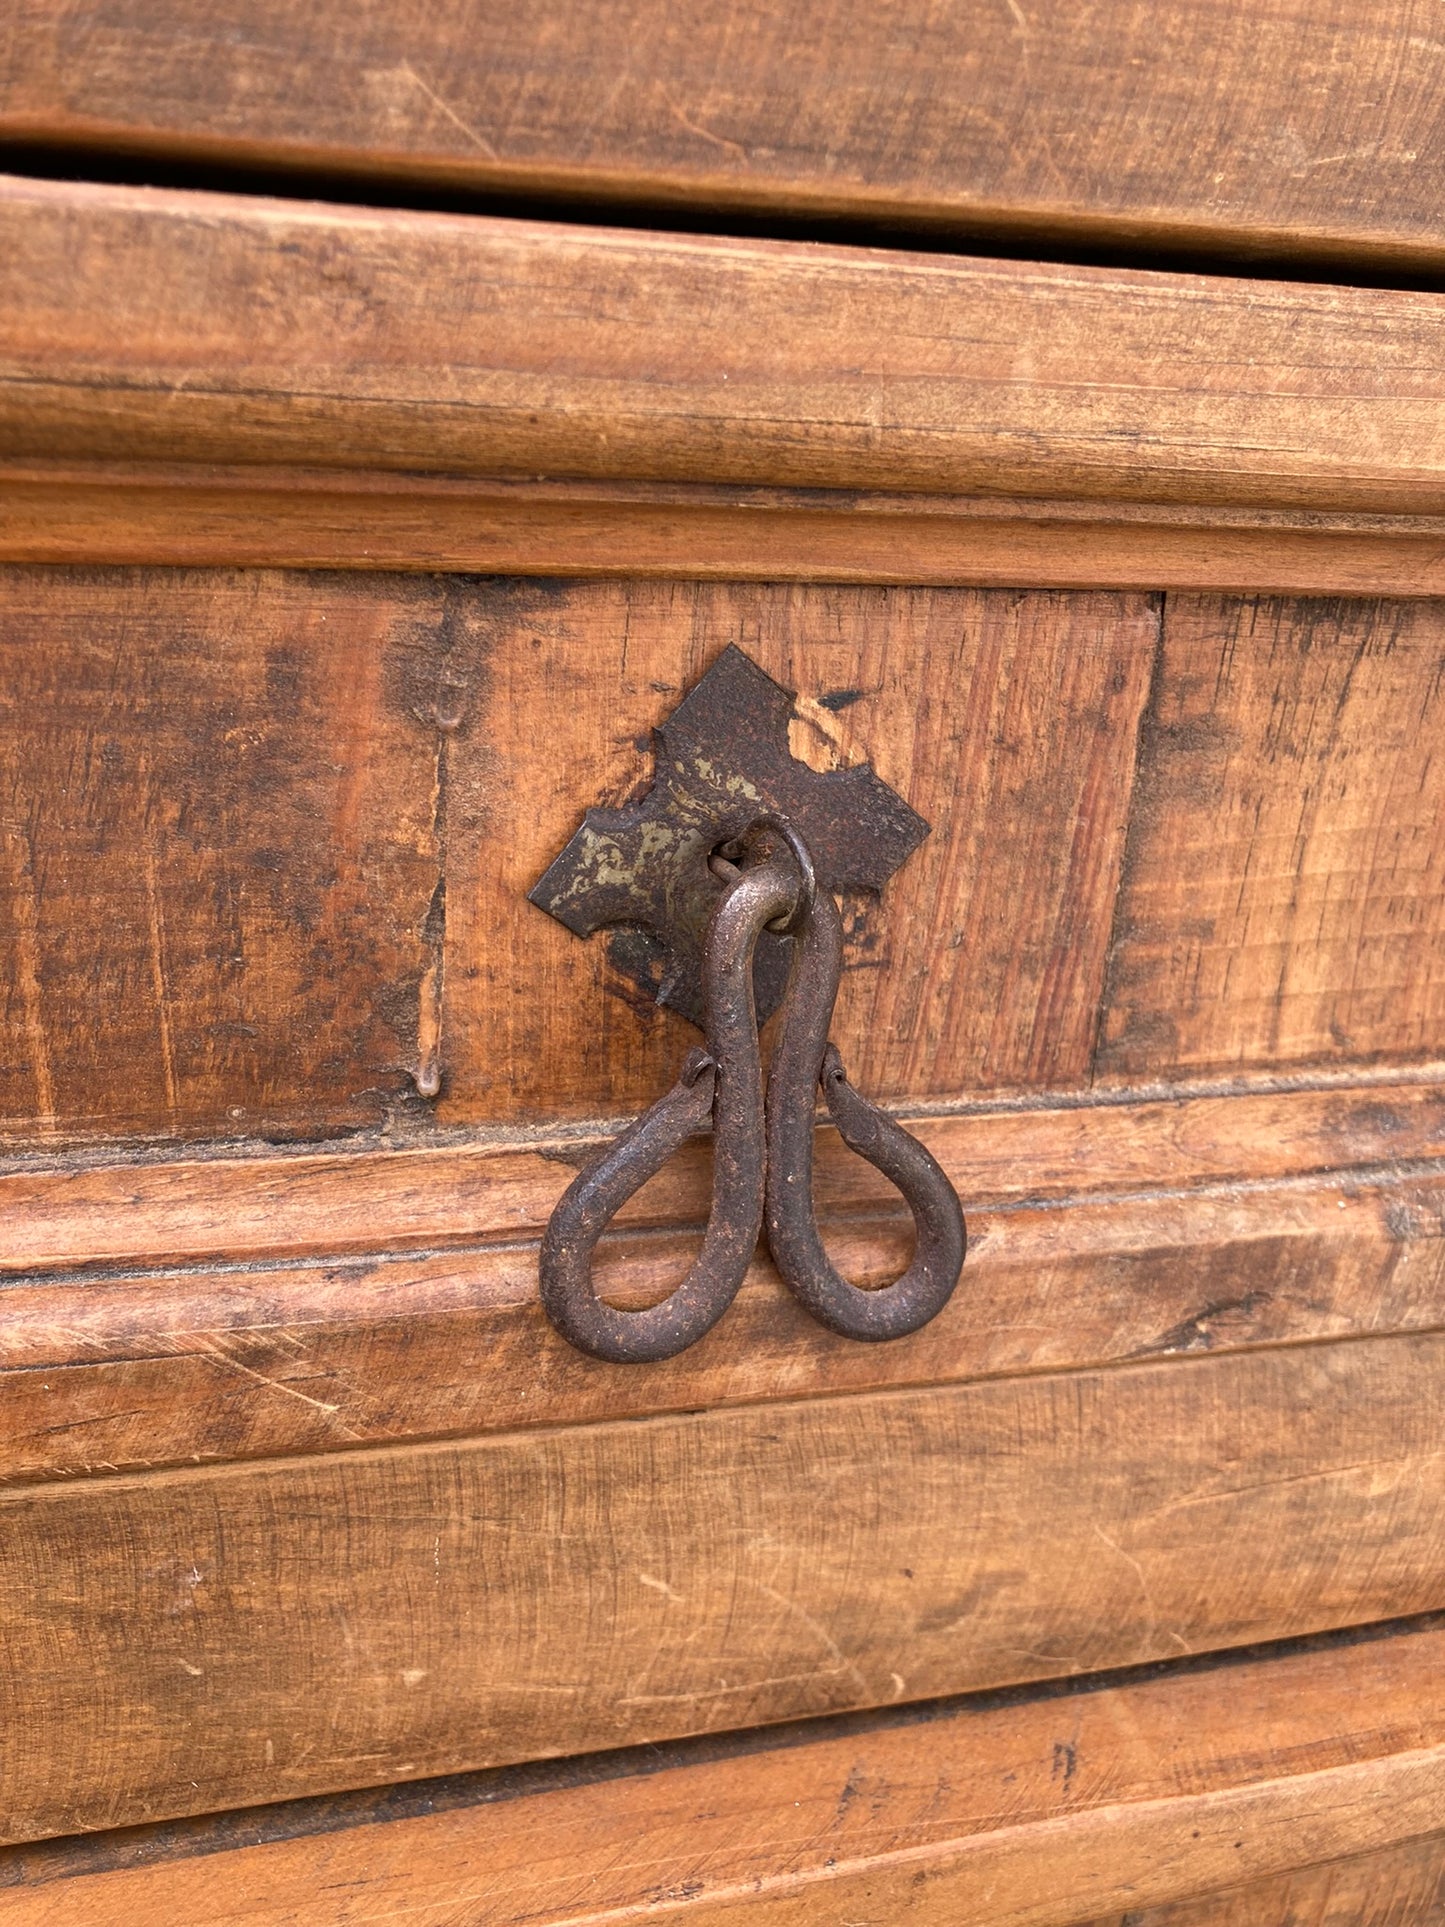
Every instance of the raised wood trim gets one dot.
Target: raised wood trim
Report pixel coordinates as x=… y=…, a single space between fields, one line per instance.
x=1290 y=128
x=153 y=514
x=77 y=1213
x=1137 y=1792
x=189 y=1640
x=242 y=1308
x=166 y=326
x=104 y=1373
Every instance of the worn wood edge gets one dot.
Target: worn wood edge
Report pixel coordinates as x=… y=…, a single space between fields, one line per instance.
x=108 y=1372
x=1400 y=1884
x=1124 y=1852
x=1039 y=1875
x=82 y=1211
x=651 y=194
x=958 y=422
x=1337 y=1523
x=154 y=516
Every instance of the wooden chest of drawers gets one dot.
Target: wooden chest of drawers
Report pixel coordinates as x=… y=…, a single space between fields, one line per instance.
x=348 y=553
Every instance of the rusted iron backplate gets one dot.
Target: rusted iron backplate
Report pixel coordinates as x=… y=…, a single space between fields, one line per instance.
x=722 y=760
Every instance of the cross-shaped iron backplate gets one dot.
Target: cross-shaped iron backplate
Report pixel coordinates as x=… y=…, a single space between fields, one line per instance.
x=722 y=760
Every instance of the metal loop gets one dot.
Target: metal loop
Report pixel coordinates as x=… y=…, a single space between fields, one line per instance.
x=802 y=1059
x=721 y=865
x=802 y=909
x=762 y=1152
x=726 y=1079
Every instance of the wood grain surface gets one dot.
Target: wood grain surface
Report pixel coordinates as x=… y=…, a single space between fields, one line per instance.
x=1284 y=892
x=1284 y=900
x=1295 y=126
x=275 y=517
x=218 y=848
x=329 y=1622
x=1393 y=1887
x=499 y=711
x=237 y=794
x=300 y=1492
x=1130 y=1792
x=151 y=325
x=1007 y=720
x=376 y=1306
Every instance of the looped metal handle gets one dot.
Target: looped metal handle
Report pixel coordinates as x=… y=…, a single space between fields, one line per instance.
x=727 y=1079
x=762 y=1151
x=802 y=1060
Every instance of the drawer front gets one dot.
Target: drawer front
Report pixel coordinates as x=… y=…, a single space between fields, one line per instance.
x=1175 y=839
x=302 y=1492
x=1297 y=1786
x=1131 y=888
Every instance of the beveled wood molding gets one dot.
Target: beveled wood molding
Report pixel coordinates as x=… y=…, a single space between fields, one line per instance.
x=1290 y=128
x=1140 y=1792
x=321 y=1622
x=156 y=514
x=171 y=327
x=247 y=1307
x=90 y=1209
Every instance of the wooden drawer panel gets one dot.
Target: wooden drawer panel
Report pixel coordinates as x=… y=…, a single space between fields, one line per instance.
x=242 y=805
x=138 y=325
x=1164 y=988
x=1013 y=1812
x=1008 y=721
x=285 y=805
x=329 y=1622
x=1284 y=895
x=1297 y=127
x=220 y=851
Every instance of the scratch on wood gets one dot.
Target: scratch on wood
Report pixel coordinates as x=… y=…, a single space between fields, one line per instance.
x=479 y=141
x=1150 y=1630
x=158 y=983
x=659 y=1585
x=24 y=894
x=704 y=133
x=222 y=1357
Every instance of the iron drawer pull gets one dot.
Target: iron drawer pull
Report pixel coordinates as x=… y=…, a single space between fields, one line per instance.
x=762 y=1148
x=726 y=1080
x=724 y=873
x=802 y=1059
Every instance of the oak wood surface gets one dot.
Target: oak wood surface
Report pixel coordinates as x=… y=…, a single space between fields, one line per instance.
x=140 y=324
x=1295 y=126
x=152 y=513
x=1007 y=720
x=185 y=1641
x=1284 y=885
x=973 y=1814
x=1393 y=1887
x=218 y=851
x=377 y=1308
